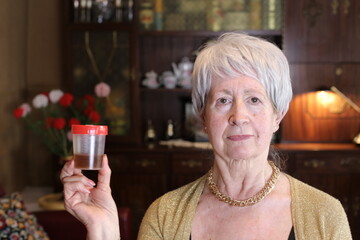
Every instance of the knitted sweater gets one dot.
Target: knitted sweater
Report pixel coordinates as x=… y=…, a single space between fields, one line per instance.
x=315 y=214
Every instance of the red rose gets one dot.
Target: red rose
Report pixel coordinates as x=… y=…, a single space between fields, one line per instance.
x=59 y=123
x=88 y=110
x=90 y=100
x=74 y=121
x=66 y=100
x=49 y=122
x=94 y=116
x=18 y=112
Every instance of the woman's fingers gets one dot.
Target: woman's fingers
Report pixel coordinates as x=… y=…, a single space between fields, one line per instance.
x=104 y=174
x=74 y=180
x=78 y=183
x=69 y=170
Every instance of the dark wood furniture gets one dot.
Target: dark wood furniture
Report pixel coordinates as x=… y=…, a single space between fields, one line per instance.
x=320 y=40
x=95 y=52
x=328 y=29
x=121 y=52
x=141 y=175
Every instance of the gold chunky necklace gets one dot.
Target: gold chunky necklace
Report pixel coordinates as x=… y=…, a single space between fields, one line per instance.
x=269 y=186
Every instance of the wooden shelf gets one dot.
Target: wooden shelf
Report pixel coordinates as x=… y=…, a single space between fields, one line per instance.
x=108 y=26
x=208 y=33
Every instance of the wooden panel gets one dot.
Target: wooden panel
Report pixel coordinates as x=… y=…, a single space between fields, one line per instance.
x=348 y=82
x=137 y=180
x=189 y=166
x=310 y=77
x=309 y=25
x=189 y=163
x=350 y=31
x=327 y=163
x=157 y=52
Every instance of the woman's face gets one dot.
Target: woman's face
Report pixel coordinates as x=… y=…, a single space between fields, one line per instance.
x=239 y=118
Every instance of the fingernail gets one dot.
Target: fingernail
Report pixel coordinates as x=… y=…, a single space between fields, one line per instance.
x=91 y=183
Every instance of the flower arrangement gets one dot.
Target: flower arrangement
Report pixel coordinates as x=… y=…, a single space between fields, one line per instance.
x=58 y=111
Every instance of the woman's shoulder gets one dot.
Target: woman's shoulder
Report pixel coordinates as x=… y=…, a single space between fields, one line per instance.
x=316 y=213
x=310 y=195
x=185 y=192
x=180 y=196
x=175 y=208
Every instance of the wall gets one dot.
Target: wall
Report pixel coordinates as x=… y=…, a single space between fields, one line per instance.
x=29 y=63
x=12 y=88
x=43 y=74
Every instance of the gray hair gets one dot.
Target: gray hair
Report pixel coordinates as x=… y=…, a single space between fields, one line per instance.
x=236 y=54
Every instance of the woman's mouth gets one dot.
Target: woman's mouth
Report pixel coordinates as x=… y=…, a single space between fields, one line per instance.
x=241 y=137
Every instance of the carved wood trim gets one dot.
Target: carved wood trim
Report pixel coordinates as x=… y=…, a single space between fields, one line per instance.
x=311 y=11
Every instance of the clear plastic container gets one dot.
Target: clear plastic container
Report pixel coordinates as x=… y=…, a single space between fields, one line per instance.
x=88 y=146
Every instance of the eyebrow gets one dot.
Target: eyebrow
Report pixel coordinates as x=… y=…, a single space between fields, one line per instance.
x=247 y=91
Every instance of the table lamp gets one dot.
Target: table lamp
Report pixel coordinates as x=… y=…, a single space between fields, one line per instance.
x=352 y=104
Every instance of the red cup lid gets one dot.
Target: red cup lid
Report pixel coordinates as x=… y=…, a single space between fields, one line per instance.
x=89 y=129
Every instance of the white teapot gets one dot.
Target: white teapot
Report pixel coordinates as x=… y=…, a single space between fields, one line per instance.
x=183 y=72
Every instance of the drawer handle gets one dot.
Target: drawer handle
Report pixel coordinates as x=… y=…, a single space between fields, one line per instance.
x=314 y=163
x=145 y=163
x=191 y=163
x=350 y=162
x=346 y=6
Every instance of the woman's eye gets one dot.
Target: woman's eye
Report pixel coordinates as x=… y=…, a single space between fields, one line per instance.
x=255 y=100
x=223 y=101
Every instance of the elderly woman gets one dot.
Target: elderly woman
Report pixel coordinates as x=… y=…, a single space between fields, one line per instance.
x=241 y=91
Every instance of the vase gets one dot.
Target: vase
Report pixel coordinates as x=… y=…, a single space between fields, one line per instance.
x=52 y=201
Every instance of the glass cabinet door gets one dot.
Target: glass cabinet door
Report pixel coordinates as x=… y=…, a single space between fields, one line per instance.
x=210 y=15
x=105 y=56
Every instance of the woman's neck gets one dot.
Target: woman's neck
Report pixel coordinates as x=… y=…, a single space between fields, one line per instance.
x=241 y=179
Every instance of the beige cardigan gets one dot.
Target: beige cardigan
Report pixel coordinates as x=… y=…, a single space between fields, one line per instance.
x=315 y=214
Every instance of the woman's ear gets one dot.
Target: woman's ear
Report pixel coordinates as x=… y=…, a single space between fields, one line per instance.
x=278 y=119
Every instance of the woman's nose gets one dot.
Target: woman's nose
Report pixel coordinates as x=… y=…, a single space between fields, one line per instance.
x=238 y=115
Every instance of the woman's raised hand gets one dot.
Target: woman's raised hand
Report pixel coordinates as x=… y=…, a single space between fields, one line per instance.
x=93 y=206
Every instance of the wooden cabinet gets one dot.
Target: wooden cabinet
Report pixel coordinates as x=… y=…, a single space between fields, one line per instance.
x=188 y=166
x=154 y=34
x=321 y=43
x=138 y=178
x=322 y=31
x=105 y=52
